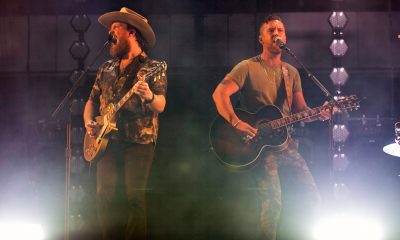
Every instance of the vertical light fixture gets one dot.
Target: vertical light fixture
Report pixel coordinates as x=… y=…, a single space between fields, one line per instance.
x=75 y=193
x=339 y=76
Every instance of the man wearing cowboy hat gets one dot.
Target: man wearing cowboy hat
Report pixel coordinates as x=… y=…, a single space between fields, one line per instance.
x=123 y=169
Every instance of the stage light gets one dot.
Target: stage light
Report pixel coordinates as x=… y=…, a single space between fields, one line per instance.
x=340 y=162
x=347 y=227
x=80 y=23
x=77 y=135
x=340 y=133
x=397 y=132
x=339 y=76
x=338 y=47
x=79 y=50
x=77 y=161
x=21 y=231
x=77 y=106
x=76 y=223
x=77 y=193
x=340 y=191
x=394 y=148
x=337 y=20
x=75 y=75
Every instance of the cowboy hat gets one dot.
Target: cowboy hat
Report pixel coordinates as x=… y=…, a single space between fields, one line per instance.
x=132 y=18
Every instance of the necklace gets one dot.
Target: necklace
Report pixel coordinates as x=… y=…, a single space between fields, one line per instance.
x=273 y=73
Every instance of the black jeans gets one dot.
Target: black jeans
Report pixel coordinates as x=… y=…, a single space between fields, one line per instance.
x=122 y=174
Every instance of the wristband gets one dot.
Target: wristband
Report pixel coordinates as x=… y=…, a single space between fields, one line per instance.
x=234 y=125
x=151 y=100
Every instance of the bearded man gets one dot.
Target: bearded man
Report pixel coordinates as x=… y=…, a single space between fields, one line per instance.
x=123 y=169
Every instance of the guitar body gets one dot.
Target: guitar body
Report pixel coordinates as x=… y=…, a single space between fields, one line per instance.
x=234 y=151
x=94 y=147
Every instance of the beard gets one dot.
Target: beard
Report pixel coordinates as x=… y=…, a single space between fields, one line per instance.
x=274 y=49
x=120 y=49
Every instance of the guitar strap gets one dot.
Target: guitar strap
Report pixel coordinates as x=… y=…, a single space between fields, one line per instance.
x=288 y=86
x=132 y=69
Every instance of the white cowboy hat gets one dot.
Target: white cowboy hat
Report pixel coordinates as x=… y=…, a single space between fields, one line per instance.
x=132 y=18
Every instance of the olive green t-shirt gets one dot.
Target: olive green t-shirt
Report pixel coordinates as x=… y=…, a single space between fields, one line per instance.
x=262 y=85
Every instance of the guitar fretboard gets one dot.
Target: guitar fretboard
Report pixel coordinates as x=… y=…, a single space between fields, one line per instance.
x=278 y=123
x=345 y=103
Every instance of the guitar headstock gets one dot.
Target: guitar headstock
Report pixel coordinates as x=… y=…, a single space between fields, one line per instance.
x=348 y=102
x=157 y=71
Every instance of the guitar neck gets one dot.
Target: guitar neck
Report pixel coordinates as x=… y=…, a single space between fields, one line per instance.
x=131 y=91
x=123 y=100
x=278 y=123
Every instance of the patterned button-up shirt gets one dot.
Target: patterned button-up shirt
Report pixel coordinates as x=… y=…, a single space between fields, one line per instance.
x=136 y=122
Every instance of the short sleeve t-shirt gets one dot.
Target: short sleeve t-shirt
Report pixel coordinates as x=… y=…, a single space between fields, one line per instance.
x=262 y=85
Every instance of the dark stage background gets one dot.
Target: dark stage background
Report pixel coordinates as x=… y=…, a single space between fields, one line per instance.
x=190 y=195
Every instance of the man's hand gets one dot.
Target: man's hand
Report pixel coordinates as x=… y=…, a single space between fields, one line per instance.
x=326 y=112
x=92 y=128
x=142 y=89
x=246 y=129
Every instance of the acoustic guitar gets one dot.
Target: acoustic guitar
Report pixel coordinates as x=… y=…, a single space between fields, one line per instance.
x=238 y=152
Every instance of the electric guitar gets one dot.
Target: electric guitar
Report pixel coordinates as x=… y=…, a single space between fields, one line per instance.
x=238 y=152
x=94 y=147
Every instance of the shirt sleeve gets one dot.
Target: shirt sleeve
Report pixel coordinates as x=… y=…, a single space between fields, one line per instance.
x=96 y=90
x=158 y=83
x=239 y=73
x=294 y=77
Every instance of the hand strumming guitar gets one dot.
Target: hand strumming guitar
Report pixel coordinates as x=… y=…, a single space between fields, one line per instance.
x=244 y=127
x=92 y=128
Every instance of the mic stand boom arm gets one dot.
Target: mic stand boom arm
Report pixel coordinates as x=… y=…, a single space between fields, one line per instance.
x=78 y=82
x=332 y=101
x=313 y=78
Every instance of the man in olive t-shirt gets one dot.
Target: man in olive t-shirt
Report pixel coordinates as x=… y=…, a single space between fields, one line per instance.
x=260 y=81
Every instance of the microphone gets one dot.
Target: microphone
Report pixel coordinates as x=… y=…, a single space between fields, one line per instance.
x=278 y=40
x=111 y=38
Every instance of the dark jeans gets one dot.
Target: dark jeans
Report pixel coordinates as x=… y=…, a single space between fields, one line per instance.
x=122 y=174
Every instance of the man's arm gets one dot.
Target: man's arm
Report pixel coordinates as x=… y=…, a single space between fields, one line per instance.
x=221 y=96
x=158 y=103
x=299 y=103
x=225 y=89
x=89 y=113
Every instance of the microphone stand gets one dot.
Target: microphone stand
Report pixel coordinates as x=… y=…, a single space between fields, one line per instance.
x=68 y=150
x=311 y=76
x=327 y=94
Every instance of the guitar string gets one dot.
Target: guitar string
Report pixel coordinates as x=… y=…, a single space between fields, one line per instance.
x=277 y=123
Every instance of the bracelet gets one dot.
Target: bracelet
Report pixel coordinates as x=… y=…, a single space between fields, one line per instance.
x=151 y=100
x=234 y=125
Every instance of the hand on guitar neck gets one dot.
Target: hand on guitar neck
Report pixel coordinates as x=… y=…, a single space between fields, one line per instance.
x=325 y=114
x=141 y=88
